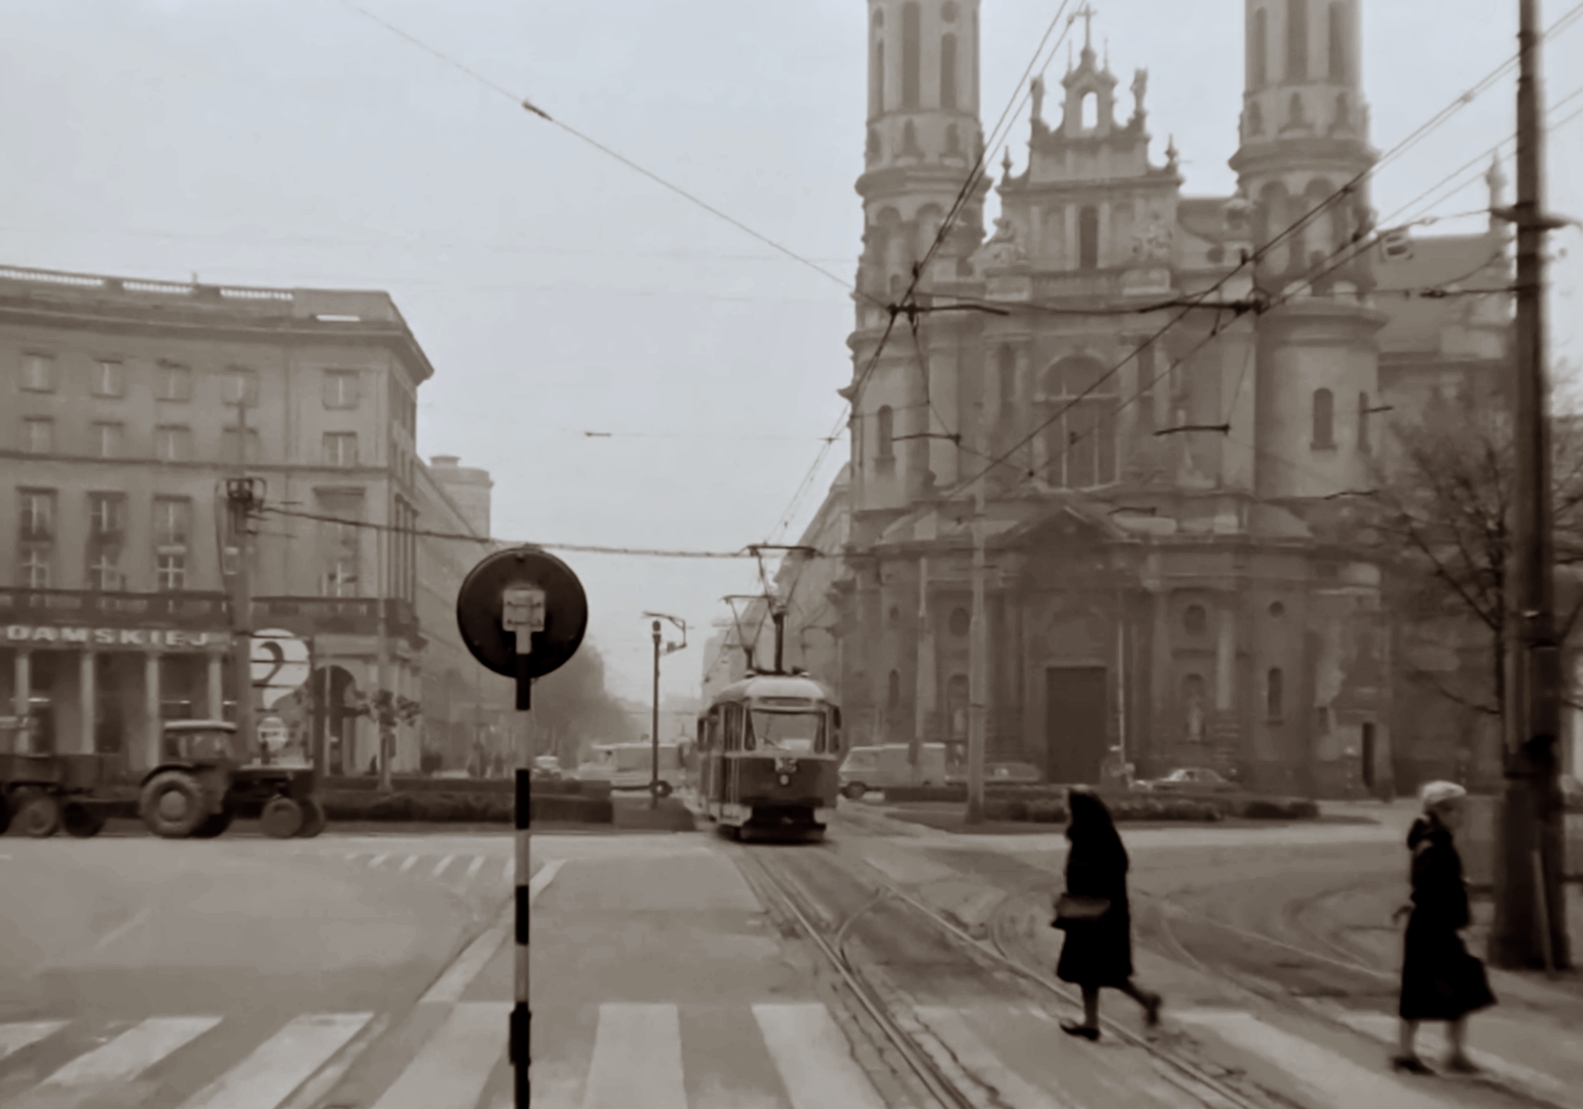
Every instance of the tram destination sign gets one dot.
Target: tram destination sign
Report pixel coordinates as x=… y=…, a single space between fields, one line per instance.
x=167 y=639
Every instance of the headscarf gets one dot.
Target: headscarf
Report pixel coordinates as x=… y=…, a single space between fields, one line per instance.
x=1435 y=794
x=1091 y=826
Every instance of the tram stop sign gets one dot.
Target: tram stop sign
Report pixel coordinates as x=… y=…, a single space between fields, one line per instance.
x=522 y=613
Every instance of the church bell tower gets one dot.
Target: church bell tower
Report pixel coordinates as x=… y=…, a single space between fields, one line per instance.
x=1304 y=139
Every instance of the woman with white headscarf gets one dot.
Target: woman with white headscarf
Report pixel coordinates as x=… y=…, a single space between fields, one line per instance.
x=1440 y=979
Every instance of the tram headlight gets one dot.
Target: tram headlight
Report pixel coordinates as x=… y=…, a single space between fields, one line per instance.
x=785 y=779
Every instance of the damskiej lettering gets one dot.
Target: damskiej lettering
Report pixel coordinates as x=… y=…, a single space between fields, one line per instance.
x=116 y=637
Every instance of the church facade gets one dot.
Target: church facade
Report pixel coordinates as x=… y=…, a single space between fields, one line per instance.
x=1166 y=435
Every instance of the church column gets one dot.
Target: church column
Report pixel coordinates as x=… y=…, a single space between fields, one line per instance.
x=22 y=693
x=1106 y=221
x=87 y=703
x=1225 y=655
x=924 y=699
x=1164 y=725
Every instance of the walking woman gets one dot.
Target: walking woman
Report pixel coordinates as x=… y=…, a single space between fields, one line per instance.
x=1097 y=952
x=1440 y=979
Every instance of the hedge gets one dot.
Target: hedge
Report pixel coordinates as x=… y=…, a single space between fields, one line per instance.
x=460 y=808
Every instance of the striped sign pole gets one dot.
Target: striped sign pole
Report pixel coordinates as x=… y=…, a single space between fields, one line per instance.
x=522 y=1011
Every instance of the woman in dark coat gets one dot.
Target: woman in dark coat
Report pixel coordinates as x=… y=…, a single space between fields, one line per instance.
x=1098 y=953
x=1440 y=979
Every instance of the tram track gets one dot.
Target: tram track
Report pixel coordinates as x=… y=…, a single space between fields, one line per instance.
x=1173 y=1062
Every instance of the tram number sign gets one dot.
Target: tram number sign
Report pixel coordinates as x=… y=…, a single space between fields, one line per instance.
x=522 y=613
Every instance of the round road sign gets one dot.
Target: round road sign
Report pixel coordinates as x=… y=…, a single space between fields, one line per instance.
x=481 y=604
x=280 y=663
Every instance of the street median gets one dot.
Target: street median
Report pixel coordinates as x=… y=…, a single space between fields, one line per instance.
x=463 y=801
x=1044 y=804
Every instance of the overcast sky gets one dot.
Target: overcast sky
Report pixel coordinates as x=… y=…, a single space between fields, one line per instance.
x=298 y=142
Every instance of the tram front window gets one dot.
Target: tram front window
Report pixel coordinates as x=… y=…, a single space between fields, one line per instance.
x=802 y=732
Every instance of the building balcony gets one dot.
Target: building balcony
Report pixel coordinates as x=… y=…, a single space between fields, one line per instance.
x=202 y=612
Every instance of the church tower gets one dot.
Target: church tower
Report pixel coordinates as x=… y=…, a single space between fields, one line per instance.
x=923 y=139
x=1304 y=137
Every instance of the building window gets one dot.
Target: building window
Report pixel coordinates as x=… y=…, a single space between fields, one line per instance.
x=911 y=40
x=38 y=435
x=1195 y=620
x=231 y=445
x=104 y=575
x=172 y=520
x=35 y=567
x=37 y=518
x=239 y=386
x=1324 y=419
x=885 y=433
x=173 y=443
x=1259 y=50
x=961 y=622
x=340 y=544
x=174 y=383
x=340 y=390
x=1088 y=238
x=340 y=448
x=1081 y=440
x=109 y=379
x=1274 y=693
x=948 y=72
x=38 y=373
x=1296 y=41
x=107 y=439
x=893 y=692
x=106 y=516
x=171 y=572
x=1340 y=52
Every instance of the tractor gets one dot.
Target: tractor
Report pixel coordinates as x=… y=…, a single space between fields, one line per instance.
x=42 y=792
x=203 y=781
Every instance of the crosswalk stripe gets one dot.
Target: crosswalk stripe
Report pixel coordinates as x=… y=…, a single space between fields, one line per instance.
x=637 y=1058
x=376 y=860
x=472 y=871
x=14 y=1037
x=409 y=863
x=973 y=1055
x=282 y=1063
x=445 y=862
x=1382 y=1027
x=451 y=1070
x=129 y=1054
x=1336 y=1079
x=813 y=1058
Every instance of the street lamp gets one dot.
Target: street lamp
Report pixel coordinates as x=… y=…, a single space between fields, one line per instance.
x=654 y=732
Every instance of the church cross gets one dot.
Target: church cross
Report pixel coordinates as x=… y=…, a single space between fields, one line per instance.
x=1086 y=13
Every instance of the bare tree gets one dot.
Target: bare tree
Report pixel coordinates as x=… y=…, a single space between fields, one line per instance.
x=572 y=709
x=1444 y=499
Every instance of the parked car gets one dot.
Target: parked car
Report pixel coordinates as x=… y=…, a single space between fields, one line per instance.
x=873 y=769
x=1192 y=779
x=1024 y=772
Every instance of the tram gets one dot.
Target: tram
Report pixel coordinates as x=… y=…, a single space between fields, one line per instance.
x=769 y=755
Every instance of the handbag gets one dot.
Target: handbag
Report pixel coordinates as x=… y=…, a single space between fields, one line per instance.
x=1075 y=909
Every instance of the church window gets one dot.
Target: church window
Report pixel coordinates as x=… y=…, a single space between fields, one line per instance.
x=909 y=139
x=1088 y=238
x=1274 y=693
x=1090 y=111
x=956 y=699
x=1340 y=55
x=1324 y=419
x=1363 y=421
x=893 y=691
x=876 y=82
x=1259 y=50
x=910 y=41
x=948 y=72
x=893 y=617
x=885 y=433
x=1195 y=620
x=1081 y=440
x=1296 y=41
x=1006 y=368
x=961 y=622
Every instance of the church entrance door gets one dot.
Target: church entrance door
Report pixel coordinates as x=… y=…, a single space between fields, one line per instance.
x=1074 y=724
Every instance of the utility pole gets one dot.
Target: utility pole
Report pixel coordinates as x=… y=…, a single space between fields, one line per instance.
x=382 y=538
x=654 y=732
x=978 y=667
x=1530 y=917
x=242 y=494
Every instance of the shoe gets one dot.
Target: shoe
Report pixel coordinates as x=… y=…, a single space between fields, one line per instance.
x=1409 y=1063
x=1151 y=1011
x=1083 y=1030
x=1461 y=1064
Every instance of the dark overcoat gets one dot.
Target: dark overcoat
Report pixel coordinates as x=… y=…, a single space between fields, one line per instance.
x=1098 y=952
x=1441 y=979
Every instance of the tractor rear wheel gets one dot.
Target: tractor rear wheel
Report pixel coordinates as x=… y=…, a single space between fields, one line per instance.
x=38 y=816
x=282 y=818
x=313 y=820
x=80 y=821
x=173 y=805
